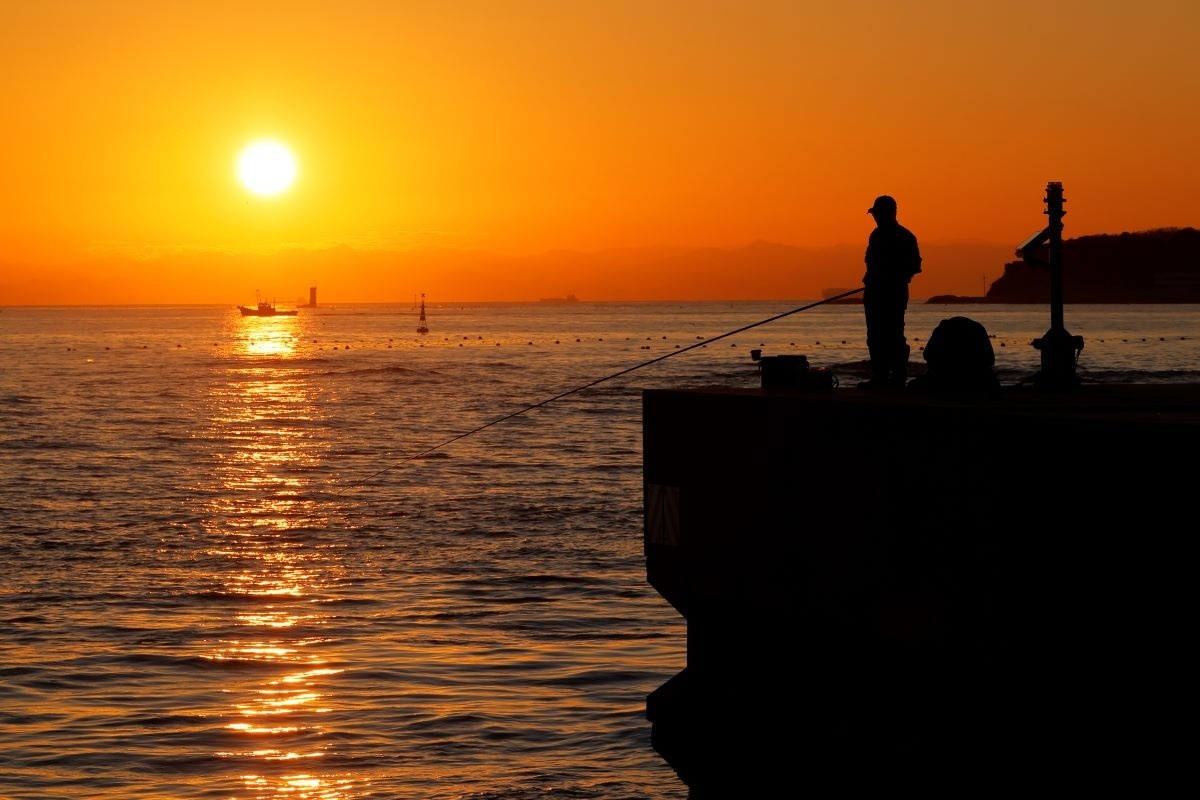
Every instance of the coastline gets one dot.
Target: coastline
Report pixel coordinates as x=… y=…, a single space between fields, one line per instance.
x=954 y=299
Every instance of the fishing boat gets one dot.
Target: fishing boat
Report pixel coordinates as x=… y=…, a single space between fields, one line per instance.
x=422 y=323
x=265 y=308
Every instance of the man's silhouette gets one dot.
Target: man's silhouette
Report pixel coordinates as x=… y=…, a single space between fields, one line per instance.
x=893 y=258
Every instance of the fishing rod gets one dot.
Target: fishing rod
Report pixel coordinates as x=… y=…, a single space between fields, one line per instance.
x=590 y=384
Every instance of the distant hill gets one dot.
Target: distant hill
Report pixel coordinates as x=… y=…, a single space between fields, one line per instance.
x=1155 y=266
x=755 y=271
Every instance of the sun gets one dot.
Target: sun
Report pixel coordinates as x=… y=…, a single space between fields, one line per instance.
x=266 y=167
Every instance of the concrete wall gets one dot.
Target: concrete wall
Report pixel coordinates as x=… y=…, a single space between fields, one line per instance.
x=882 y=589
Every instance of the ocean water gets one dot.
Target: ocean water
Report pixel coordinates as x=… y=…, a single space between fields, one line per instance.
x=325 y=557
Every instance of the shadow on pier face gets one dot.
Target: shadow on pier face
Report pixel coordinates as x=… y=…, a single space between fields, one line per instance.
x=922 y=592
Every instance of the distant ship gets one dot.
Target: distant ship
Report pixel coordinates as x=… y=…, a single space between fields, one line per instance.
x=568 y=299
x=265 y=308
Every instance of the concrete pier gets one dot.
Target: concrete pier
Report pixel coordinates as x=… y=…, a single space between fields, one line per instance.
x=900 y=590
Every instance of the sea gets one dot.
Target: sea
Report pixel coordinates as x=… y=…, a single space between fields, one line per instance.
x=325 y=557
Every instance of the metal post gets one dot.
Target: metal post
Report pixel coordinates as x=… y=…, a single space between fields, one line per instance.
x=1054 y=210
x=1059 y=348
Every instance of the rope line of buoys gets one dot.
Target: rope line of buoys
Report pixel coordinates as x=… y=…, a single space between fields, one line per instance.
x=589 y=384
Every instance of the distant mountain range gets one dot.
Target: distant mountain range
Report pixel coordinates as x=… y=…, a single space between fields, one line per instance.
x=1155 y=266
x=757 y=271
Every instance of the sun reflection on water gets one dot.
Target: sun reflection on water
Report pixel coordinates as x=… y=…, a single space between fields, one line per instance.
x=307 y=787
x=270 y=336
x=267 y=523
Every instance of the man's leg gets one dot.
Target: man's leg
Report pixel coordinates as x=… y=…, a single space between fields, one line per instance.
x=878 y=345
x=899 y=370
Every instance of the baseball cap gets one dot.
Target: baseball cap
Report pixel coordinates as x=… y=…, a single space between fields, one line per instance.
x=884 y=201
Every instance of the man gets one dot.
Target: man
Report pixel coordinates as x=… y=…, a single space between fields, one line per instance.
x=893 y=258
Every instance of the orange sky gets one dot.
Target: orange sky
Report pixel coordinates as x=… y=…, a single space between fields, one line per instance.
x=517 y=127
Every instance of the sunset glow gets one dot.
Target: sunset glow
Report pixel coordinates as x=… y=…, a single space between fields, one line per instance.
x=266 y=168
x=513 y=150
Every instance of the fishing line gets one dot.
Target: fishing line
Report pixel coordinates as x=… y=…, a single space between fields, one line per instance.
x=590 y=384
